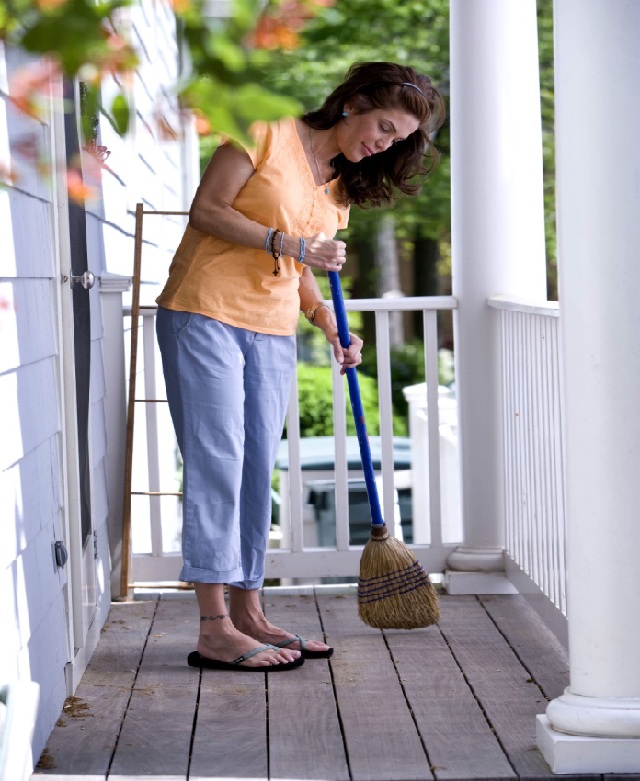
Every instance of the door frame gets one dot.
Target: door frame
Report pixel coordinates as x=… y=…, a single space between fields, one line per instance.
x=82 y=628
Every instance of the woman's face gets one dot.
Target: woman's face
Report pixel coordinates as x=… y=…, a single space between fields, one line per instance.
x=363 y=135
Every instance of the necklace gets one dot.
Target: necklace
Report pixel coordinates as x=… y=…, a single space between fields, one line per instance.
x=315 y=160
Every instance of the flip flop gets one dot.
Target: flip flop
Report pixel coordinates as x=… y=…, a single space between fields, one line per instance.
x=306 y=652
x=196 y=660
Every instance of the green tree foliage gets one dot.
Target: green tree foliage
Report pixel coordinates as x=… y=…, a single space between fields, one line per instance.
x=545 y=47
x=316 y=402
x=407 y=368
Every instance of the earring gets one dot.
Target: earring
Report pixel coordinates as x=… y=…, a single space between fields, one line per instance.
x=344 y=114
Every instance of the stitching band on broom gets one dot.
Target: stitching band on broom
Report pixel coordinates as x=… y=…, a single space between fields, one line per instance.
x=394 y=591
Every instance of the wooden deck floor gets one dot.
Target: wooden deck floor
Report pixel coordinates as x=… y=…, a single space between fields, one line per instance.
x=457 y=701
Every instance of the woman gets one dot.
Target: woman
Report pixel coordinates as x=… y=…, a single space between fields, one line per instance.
x=261 y=222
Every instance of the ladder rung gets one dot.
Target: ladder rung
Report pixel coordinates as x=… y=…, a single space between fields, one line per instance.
x=156 y=493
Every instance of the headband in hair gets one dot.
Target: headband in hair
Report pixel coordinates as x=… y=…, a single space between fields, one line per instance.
x=393 y=84
x=409 y=84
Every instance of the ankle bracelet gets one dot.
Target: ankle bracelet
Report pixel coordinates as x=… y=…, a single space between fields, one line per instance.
x=213 y=618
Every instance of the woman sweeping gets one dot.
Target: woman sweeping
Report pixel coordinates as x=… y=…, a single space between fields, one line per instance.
x=262 y=221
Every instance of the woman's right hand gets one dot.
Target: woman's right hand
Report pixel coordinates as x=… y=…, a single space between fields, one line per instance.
x=325 y=254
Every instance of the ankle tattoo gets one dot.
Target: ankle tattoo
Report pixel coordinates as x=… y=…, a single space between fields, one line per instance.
x=213 y=618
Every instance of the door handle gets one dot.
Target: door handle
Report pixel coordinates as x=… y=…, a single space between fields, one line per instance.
x=87 y=280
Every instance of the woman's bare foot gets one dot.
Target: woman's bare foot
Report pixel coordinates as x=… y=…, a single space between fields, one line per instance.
x=225 y=643
x=220 y=640
x=246 y=613
x=266 y=632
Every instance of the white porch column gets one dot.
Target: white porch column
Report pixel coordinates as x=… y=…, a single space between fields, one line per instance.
x=497 y=245
x=598 y=203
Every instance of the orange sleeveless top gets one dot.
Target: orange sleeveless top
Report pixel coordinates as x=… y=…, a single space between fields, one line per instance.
x=235 y=284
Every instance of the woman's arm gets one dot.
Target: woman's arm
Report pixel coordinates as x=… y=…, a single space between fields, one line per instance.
x=325 y=319
x=212 y=209
x=212 y=212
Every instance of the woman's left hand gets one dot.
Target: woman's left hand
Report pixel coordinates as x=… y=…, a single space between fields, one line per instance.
x=347 y=357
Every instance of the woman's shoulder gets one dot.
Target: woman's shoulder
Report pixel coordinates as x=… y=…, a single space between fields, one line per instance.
x=262 y=139
x=276 y=131
x=279 y=142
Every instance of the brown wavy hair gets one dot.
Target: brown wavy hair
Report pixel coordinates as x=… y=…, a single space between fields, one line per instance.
x=376 y=180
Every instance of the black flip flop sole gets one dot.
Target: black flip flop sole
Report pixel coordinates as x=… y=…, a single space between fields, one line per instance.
x=317 y=654
x=307 y=653
x=195 y=660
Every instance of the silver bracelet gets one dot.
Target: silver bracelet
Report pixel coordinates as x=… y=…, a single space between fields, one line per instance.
x=267 y=244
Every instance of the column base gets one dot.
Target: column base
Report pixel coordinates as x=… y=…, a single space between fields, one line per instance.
x=599 y=717
x=468 y=559
x=580 y=754
x=477 y=571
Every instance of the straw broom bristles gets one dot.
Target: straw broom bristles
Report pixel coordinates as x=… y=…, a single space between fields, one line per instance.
x=394 y=591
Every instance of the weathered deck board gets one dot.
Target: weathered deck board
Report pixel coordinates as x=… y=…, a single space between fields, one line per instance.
x=538 y=648
x=458 y=739
x=156 y=731
x=506 y=692
x=230 y=739
x=381 y=736
x=305 y=741
x=461 y=697
x=85 y=737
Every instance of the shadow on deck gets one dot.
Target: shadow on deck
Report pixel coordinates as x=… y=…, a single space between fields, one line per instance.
x=456 y=701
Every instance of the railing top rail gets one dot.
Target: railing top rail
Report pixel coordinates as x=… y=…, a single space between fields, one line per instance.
x=163 y=213
x=400 y=304
x=514 y=304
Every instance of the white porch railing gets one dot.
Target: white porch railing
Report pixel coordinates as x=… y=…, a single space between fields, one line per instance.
x=533 y=447
x=532 y=450
x=155 y=490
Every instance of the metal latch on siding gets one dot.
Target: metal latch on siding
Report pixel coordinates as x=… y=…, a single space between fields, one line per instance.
x=60 y=554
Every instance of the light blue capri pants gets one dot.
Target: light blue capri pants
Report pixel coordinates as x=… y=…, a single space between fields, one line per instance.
x=227 y=390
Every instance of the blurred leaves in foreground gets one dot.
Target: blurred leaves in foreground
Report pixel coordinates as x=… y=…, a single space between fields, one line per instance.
x=222 y=56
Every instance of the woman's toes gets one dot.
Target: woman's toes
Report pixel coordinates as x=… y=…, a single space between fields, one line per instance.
x=289 y=656
x=316 y=645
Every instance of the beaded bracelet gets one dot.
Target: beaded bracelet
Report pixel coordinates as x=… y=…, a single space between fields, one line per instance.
x=275 y=254
x=271 y=249
x=302 y=250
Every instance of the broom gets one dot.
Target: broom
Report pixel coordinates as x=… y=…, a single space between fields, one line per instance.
x=394 y=591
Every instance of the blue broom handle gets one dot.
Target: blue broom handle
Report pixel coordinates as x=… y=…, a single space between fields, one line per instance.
x=356 y=401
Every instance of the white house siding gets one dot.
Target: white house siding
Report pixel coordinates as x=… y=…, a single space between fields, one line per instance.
x=32 y=602
x=147 y=166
